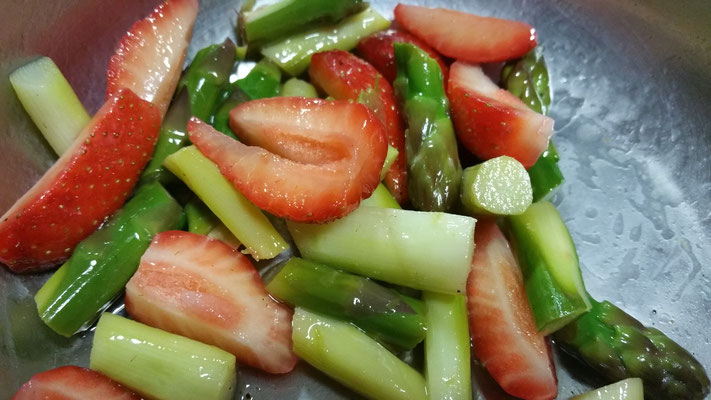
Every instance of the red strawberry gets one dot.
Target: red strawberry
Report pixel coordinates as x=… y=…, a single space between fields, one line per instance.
x=149 y=58
x=202 y=288
x=346 y=77
x=466 y=36
x=377 y=49
x=72 y=383
x=316 y=159
x=492 y=122
x=88 y=183
x=504 y=335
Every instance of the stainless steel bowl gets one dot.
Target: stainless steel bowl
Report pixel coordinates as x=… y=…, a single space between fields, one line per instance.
x=632 y=105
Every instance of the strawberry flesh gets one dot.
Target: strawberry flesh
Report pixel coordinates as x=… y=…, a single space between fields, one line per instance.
x=346 y=77
x=491 y=122
x=150 y=57
x=504 y=335
x=377 y=49
x=465 y=36
x=204 y=289
x=72 y=383
x=88 y=183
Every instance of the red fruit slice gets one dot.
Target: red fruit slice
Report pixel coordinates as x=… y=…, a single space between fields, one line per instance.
x=492 y=122
x=501 y=324
x=90 y=181
x=72 y=383
x=466 y=36
x=150 y=57
x=346 y=77
x=204 y=289
x=316 y=159
x=377 y=49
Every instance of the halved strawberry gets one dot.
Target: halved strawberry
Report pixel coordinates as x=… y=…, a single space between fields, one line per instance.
x=492 y=122
x=90 y=181
x=377 y=49
x=315 y=159
x=72 y=383
x=149 y=58
x=346 y=77
x=467 y=36
x=504 y=335
x=202 y=288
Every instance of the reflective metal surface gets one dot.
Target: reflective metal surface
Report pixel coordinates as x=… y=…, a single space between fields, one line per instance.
x=632 y=105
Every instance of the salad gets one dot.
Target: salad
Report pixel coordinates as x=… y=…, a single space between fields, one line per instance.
x=414 y=195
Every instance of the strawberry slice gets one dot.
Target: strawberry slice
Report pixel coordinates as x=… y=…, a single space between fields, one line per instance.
x=315 y=159
x=501 y=324
x=492 y=122
x=377 y=49
x=88 y=183
x=72 y=383
x=466 y=36
x=150 y=57
x=346 y=77
x=204 y=289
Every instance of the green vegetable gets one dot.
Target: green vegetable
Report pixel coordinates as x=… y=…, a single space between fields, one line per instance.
x=102 y=264
x=293 y=54
x=527 y=78
x=386 y=315
x=618 y=346
x=285 y=17
x=221 y=122
x=161 y=365
x=389 y=160
x=200 y=219
x=499 y=186
x=627 y=389
x=247 y=222
x=50 y=102
x=295 y=87
x=351 y=357
x=381 y=197
x=549 y=262
x=262 y=81
x=221 y=232
x=434 y=171
x=421 y=250
x=447 y=348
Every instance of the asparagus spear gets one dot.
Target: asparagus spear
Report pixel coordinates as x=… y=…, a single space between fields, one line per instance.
x=499 y=186
x=351 y=357
x=285 y=17
x=628 y=389
x=382 y=198
x=50 y=102
x=549 y=262
x=431 y=147
x=296 y=87
x=221 y=121
x=618 y=346
x=384 y=314
x=527 y=78
x=293 y=53
x=101 y=264
x=262 y=81
x=200 y=219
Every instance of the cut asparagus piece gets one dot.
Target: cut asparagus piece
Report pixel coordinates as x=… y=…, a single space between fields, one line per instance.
x=102 y=264
x=159 y=364
x=285 y=17
x=381 y=198
x=293 y=53
x=447 y=348
x=389 y=160
x=618 y=346
x=221 y=122
x=549 y=262
x=200 y=219
x=351 y=357
x=499 y=186
x=296 y=87
x=422 y=250
x=386 y=315
x=626 y=389
x=545 y=174
x=262 y=81
x=50 y=101
x=247 y=222
x=221 y=232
